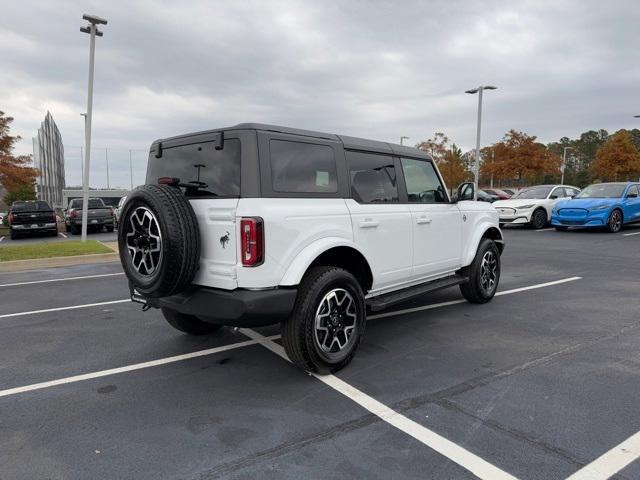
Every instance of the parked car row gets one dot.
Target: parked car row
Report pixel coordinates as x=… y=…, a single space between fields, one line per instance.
x=37 y=217
x=601 y=205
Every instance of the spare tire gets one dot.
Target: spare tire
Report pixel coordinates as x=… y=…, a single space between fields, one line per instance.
x=159 y=240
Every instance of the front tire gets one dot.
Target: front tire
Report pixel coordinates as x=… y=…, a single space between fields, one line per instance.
x=188 y=323
x=539 y=219
x=327 y=323
x=483 y=273
x=614 y=223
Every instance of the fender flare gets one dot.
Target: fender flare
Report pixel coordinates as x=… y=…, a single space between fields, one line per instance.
x=480 y=232
x=299 y=265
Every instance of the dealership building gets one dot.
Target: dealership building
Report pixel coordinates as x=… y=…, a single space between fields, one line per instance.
x=48 y=158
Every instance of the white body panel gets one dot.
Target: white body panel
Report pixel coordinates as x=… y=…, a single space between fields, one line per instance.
x=383 y=231
x=404 y=244
x=437 y=238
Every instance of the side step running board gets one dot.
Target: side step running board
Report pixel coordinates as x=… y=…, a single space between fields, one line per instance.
x=382 y=302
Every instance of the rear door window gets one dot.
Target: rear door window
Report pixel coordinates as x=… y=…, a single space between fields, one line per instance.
x=373 y=178
x=298 y=167
x=207 y=171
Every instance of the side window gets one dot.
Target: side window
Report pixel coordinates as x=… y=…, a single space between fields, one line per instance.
x=298 y=167
x=423 y=184
x=571 y=192
x=633 y=189
x=373 y=178
x=558 y=193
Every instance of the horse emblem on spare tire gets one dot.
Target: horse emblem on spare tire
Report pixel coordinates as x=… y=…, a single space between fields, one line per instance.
x=224 y=240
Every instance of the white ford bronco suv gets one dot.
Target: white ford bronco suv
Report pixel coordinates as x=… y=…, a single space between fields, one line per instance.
x=257 y=224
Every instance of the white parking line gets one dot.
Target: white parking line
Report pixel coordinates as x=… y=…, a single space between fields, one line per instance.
x=455 y=302
x=545 y=229
x=130 y=368
x=611 y=462
x=463 y=457
x=629 y=234
x=62 y=235
x=59 y=309
x=61 y=279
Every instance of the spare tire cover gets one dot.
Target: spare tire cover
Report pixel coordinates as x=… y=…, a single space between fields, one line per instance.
x=159 y=240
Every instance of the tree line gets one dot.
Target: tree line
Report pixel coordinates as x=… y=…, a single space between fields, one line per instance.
x=16 y=174
x=519 y=159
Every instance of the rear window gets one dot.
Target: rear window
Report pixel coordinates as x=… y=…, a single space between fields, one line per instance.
x=373 y=178
x=211 y=172
x=93 y=203
x=298 y=167
x=30 y=207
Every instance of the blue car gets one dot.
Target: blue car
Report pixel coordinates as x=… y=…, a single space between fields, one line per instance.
x=601 y=205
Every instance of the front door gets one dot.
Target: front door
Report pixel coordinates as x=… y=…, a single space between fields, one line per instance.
x=437 y=223
x=381 y=224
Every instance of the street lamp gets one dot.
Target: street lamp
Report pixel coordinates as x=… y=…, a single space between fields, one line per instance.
x=403 y=138
x=479 y=90
x=93 y=31
x=564 y=163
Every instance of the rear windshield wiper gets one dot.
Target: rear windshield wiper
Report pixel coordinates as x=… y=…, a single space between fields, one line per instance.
x=191 y=186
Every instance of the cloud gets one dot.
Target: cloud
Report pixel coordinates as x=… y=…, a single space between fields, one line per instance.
x=375 y=69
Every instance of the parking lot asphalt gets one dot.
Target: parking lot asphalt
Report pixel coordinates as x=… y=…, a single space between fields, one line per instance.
x=537 y=384
x=61 y=237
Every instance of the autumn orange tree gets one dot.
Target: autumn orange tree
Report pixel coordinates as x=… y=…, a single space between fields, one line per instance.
x=16 y=174
x=448 y=158
x=618 y=158
x=518 y=157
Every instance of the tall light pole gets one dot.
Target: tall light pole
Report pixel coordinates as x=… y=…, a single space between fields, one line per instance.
x=403 y=138
x=564 y=163
x=131 y=169
x=85 y=135
x=93 y=31
x=479 y=90
x=106 y=158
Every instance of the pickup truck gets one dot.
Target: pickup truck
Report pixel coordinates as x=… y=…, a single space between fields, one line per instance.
x=32 y=216
x=99 y=216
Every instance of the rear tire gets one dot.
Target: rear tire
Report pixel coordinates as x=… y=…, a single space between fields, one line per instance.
x=75 y=230
x=189 y=323
x=614 y=223
x=539 y=219
x=327 y=322
x=109 y=229
x=483 y=273
x=13 y=235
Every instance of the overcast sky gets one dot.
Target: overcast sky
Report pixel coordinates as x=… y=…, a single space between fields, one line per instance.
x=372 y=69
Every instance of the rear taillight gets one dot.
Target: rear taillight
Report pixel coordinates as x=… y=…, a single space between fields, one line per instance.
x=73 y=213
x=111 y=211
x=11 y=217
x=55 y=218
x=252 y=241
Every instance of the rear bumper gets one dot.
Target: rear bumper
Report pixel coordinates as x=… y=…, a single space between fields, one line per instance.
x=34 y=227
x=92 y=221
x=236 y=308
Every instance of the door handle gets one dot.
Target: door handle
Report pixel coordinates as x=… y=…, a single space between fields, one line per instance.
x=423 y=220
x=368 y=223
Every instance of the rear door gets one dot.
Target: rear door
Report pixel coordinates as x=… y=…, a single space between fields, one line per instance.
x=212 y=167
x=381 y=224
x=436 y=223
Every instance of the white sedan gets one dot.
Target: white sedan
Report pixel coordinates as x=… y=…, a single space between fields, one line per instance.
x=532 y=206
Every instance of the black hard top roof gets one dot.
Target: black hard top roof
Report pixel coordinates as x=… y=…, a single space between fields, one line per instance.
x=353 y=143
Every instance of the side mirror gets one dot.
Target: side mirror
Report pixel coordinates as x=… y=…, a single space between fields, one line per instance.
x=466 y=191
